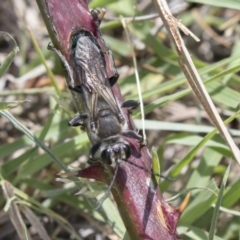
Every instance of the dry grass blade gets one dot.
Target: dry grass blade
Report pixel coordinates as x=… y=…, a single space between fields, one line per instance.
x=191 y=73
x=174 y=23
x=35 y=222
x=14 y=212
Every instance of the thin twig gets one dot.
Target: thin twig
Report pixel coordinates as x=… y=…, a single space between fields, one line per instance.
x=175 y=10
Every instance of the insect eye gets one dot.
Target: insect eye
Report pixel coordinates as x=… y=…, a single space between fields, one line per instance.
x=127 y=150
x=106 y=156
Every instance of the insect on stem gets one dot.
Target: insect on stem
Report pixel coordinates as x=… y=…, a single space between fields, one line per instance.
x=101 y=114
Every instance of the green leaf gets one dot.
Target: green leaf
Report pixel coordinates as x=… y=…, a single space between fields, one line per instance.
x=200 y=204
x=232 y=194
x=155 y=164
x=8 y=60
x=218 y=204
x=203 y=172
x=33 y=138
x=179 y=127
x=195 y=233
x=234 y=4
x=100 y=3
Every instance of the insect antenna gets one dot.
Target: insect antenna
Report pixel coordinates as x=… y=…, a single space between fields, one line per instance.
x=150 y=171
x=109 y=187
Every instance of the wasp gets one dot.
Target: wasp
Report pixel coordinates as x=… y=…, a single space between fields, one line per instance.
x=102 y=114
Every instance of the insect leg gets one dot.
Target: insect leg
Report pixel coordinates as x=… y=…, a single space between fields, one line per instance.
x=130 y=105
x=78 y=121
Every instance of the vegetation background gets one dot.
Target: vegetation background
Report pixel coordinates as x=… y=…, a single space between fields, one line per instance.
x=187 y=147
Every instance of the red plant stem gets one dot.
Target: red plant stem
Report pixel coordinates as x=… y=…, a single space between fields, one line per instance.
x=144 y=212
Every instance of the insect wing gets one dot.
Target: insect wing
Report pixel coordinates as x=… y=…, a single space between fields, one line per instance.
x=91 y=67
x=89 y=62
